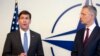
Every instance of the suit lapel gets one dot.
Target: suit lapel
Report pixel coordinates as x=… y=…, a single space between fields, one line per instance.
x=82 y=37
x=80 y=41
x=93 y=34
x=31 y=40
x=19 y=40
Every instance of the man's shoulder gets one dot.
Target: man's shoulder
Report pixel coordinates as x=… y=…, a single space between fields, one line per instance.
x=33 y=32
x=14 y=32
x=12 y=35
x=97 y=27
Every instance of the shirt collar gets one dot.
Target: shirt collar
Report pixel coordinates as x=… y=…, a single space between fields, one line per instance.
x=92 y=26
x=22 y=31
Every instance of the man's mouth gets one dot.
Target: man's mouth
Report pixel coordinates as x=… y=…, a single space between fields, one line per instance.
x=24 y=24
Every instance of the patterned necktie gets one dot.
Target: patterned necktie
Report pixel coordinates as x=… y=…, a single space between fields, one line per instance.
x=86 y=37
x=25 y=43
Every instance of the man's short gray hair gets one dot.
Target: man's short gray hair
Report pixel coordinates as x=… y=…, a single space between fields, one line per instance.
x=91 y=9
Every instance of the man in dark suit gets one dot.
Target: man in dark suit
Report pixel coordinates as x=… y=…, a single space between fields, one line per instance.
x=23 y=42
x=87 y=40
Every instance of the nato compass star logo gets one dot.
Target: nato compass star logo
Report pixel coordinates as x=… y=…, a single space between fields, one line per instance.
x=66 y=44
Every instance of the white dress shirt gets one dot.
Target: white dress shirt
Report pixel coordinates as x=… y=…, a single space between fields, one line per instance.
x=22 y=36
x=90 y=30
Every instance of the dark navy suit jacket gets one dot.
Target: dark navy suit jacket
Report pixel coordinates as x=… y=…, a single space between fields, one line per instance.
x=93 y=45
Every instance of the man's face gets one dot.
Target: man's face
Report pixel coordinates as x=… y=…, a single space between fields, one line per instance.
x=24 y=21
x=86 y=16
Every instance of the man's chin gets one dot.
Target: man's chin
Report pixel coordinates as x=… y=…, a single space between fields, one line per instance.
x=24 y=28
x=83 y=23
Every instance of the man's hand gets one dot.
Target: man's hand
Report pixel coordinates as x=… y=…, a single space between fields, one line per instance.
x=22 y=54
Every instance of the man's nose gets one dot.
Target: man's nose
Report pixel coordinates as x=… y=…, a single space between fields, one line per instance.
x=24 y=20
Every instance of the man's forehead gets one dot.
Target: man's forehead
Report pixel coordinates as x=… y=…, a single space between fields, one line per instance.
x=85 y=10
x=24 y=15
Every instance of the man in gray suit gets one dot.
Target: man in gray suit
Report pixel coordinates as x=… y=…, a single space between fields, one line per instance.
x=87 y=40
x=23 y=42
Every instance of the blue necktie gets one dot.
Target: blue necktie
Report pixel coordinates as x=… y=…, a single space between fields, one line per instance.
x=25 y=42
